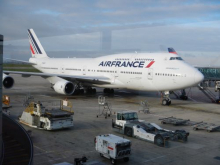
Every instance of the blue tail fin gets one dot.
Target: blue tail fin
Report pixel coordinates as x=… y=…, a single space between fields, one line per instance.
x=171 y=50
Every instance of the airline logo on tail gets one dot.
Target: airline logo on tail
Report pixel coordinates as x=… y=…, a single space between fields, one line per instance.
x=36 y=48
x=171 y=50
x=33 y=44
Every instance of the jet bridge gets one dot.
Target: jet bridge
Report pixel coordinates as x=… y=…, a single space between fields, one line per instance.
x=211 y=79
x=211 y=75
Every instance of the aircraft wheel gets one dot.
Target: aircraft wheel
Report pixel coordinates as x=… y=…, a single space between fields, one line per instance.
x=164 y=102
x=111 y=91
x=113 y=161
x=128 y=132
x=108 y=90
x=162 y=122
x=195 y=129
x=159 y=141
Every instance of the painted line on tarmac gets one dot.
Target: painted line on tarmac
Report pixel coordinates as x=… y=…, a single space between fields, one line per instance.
x=43 y=153
x=40 y=148
x=153 y=159
x=192 y=99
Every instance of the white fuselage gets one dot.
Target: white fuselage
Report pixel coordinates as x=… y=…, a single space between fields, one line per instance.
x=139 y=71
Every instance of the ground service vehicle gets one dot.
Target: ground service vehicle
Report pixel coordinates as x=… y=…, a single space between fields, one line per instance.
x=127 y=122
x=35 y=115
x=113 y=147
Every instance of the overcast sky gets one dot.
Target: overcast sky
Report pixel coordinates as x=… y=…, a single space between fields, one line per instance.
x=71 y=27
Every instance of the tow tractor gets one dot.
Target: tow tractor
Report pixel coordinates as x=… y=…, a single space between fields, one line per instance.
x=127 y=123
x=113 y=147
x=37 y=116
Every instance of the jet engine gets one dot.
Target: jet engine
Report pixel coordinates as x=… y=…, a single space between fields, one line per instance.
x=64 y=87
x=7 y=81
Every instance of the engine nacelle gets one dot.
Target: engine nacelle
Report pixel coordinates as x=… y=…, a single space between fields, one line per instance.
x=64 y=87
x=7 y=81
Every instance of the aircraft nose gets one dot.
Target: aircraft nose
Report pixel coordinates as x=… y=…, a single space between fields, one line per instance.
x=198 y=77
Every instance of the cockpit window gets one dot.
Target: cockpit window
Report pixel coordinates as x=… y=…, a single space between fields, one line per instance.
x=176 y=58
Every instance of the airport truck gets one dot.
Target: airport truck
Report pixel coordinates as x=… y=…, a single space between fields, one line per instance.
x=35 y=115
x=113 y=147
x=127 y=123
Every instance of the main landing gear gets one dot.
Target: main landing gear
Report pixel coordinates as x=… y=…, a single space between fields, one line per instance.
x=108 y=91
x=166 y=98
x=90 y=90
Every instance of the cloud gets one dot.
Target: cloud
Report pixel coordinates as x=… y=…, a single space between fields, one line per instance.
x=191 y=25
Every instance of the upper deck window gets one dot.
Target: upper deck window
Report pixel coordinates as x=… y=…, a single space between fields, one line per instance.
x=176 y=58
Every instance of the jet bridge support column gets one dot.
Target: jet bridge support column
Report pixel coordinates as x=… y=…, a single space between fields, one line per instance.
x=1 y=57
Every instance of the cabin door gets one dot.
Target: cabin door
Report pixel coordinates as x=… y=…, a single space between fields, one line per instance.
x=62 y=69
x=116 y=74
x=150 y=73
x=84 y=70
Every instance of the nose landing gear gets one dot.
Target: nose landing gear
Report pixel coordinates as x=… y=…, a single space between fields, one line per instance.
x=166 y=100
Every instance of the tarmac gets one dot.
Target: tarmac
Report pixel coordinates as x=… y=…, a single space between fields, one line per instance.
x=53 y=147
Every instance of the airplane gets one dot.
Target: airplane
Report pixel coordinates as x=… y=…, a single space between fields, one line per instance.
x=164 y=72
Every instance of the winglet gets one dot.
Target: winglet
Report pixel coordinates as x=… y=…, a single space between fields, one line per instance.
x=171 y=50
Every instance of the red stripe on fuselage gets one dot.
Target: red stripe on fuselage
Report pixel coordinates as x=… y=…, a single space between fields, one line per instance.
x=32 y=49
x=149 y=65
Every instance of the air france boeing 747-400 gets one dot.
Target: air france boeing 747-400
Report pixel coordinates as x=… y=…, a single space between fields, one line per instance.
x=162 y=72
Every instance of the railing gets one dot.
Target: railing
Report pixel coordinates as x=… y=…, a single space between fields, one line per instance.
x=208 y=93
x=13 y=129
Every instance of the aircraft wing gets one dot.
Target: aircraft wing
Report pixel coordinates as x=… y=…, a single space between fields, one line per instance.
x=26 y=62
x=85 y=79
